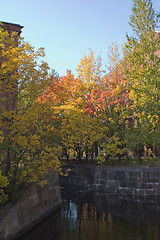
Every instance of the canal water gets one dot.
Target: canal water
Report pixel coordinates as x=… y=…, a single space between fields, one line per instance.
x=100 y=217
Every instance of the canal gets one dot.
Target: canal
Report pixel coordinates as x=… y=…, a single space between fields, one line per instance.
x=100 y=217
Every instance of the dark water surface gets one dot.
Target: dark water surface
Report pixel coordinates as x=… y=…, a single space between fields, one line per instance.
x=100 y=217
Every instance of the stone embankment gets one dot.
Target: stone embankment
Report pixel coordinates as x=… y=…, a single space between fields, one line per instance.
x=140 y=183
x=34 y=205
x=135 y=181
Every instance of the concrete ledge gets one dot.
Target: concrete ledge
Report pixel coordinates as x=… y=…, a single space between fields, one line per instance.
x=34 y=205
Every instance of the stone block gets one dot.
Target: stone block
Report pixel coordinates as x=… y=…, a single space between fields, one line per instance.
x=132 y=185
x=120 y=175
x=150 y=192
x=35 y=203
x=123 y=184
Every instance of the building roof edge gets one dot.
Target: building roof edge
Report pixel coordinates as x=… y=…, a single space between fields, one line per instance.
x=12 y=24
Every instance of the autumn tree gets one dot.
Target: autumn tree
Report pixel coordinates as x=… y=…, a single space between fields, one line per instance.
x=143 y=61
x=80 y=132
x=89 y=71
x=113 y=103
x=26 y=153
x=92 y=118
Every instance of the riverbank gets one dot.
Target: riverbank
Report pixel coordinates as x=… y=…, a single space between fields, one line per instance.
x=94 y=216
x=34 y=205
x=138 y=182
x=133 y=184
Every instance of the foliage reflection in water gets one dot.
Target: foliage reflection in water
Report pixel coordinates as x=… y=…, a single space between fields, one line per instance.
x=100 y=218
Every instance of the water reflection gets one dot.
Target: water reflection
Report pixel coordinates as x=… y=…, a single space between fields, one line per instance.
x=48 y=229
x=100 y=217
x=109 y=218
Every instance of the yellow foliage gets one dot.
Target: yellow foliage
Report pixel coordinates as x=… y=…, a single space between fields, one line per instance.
x=3 y=181
x=89 y=71
x=131 y=94
x=28 y=153
x=111 y=148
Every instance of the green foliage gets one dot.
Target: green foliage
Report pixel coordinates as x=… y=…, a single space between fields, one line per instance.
x=112 y=147
x=3 y=181
x=80 y=131
x=3 y=184
x=142 y=71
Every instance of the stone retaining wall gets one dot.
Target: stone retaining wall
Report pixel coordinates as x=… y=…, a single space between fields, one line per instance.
x=35 y=204
x=136 y=181
x=121 y=180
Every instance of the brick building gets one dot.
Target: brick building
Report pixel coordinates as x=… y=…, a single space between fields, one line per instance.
x=11 y=27
x=9 y=103
x=8 y=97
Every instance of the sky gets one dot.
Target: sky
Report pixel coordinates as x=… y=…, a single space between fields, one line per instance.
x=67 y=29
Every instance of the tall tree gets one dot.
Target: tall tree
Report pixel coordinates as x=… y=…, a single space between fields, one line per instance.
x=26 y=153
x=89 y=71
x=143 y=61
